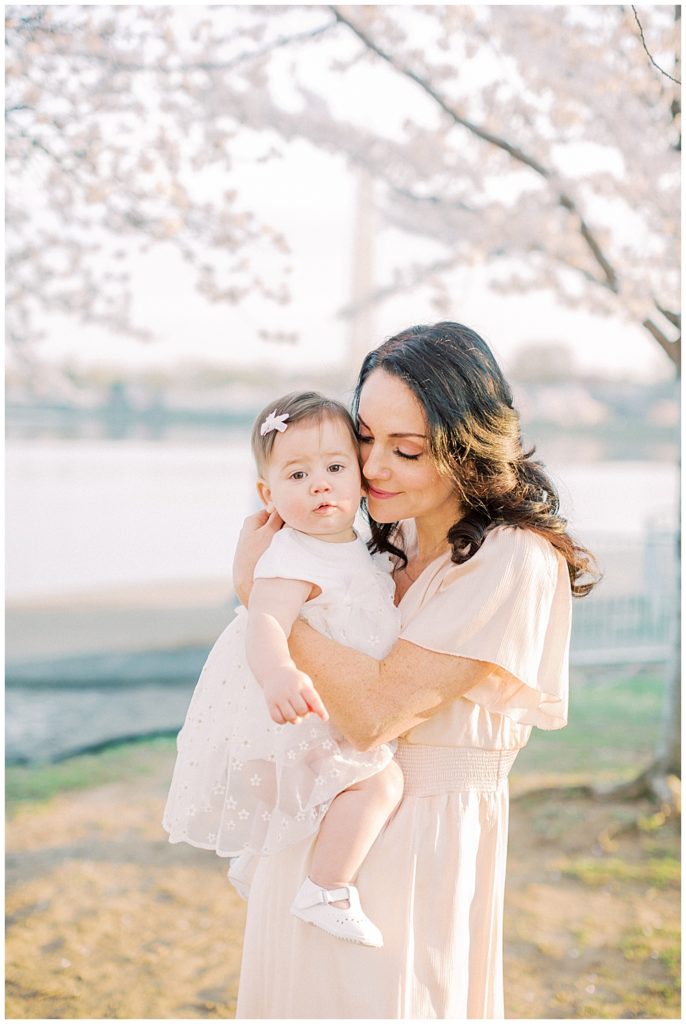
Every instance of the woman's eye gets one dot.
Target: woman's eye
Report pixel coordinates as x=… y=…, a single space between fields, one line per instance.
x=336 y=467
x=404 y=455
x=364 y=439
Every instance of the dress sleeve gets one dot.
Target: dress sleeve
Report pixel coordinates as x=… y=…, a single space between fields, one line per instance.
x=287 y=559
x=509 y=605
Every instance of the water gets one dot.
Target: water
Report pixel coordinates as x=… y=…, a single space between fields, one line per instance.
x=87 y=515
x=83 y=515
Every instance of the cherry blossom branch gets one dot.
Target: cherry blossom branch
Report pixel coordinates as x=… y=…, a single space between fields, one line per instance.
x=227 y=65
x=645 y=47
x=611 y=279
x=518 y=154
x=409 y=280
x=670 y=348
x=674 y=318
x=406 y=193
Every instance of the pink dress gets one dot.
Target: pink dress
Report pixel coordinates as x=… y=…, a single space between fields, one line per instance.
x=434 y=880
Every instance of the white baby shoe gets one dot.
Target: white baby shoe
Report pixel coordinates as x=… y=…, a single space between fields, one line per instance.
x=314 y=905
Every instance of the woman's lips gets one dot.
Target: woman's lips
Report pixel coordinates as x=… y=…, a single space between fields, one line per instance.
x=374 y=492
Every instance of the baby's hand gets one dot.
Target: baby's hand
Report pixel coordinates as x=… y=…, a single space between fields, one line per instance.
x=290 y=695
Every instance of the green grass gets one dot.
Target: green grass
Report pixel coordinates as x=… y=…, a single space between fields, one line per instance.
x=659 y=872
x=126 y=761
x=613 y=727
x=612 y=731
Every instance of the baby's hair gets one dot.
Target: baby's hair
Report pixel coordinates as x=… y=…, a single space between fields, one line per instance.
x=298 y=406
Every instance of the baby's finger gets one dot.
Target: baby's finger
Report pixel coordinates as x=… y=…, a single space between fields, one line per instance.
x=276 y=714
x=316 y=704
x=289 y=713
x=300 y=704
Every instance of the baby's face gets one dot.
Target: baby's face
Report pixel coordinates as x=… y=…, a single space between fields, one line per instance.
x=313 y=479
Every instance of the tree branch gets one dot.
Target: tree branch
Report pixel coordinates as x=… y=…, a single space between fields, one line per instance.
x=670 y=348
x=611 y=278
x=674 y=318
x=228 y=65
x=418 y=276
x=406 y=193
x=650 y=57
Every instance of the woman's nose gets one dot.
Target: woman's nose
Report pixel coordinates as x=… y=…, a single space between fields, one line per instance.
x=373 y=467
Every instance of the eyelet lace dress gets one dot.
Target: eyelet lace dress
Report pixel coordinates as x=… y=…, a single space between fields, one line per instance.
x=243 y=785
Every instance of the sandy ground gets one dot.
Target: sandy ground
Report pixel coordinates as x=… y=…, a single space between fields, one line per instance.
x=108 y=920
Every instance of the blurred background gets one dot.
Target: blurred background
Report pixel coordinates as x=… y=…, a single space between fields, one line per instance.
x=209 y=206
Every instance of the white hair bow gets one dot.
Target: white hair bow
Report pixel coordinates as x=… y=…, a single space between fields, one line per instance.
x=274 y=422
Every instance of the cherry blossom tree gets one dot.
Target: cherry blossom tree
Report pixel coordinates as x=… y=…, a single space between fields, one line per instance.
x=545 y=146
x=540 y=142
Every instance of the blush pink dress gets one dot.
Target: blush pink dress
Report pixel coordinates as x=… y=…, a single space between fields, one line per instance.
x=434 y=880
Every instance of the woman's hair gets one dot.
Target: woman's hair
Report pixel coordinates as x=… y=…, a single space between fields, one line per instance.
x=474 y=439
x=298 y=406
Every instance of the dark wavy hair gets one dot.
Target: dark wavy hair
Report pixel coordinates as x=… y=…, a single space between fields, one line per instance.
x=474 y=439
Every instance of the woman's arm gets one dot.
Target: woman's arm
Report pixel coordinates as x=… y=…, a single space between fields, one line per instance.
x=373 y=701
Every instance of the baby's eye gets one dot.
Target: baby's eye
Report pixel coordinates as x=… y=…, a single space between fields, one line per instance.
x=336 y=467
x=298 y=475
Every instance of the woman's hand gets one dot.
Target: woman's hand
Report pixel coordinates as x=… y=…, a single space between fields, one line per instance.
x=372 y=702
x=254 y=539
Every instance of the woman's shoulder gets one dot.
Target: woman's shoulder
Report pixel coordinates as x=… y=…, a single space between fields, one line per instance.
x=521 y=543
x=509 y=552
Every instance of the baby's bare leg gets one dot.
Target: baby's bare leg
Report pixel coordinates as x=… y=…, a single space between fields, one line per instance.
x=351 y=824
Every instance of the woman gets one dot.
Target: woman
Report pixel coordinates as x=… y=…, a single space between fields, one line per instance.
x=484 y=578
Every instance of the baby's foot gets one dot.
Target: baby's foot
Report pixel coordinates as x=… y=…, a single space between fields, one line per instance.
x=336 y=911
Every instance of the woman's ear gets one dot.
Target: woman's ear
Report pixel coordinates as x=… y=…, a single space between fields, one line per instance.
x=265 y=495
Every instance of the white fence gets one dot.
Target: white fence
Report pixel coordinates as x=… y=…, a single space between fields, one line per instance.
x=633 y=615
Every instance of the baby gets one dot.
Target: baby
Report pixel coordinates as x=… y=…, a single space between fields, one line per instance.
x=259 y=766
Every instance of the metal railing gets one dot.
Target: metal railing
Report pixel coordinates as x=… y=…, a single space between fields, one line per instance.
x=635 y=620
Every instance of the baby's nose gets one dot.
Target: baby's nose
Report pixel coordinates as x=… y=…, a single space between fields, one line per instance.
x=320 y=485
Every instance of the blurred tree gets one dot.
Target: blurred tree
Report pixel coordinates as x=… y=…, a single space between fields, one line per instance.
x=538 y=362
x=546 y=147
x=120 y=135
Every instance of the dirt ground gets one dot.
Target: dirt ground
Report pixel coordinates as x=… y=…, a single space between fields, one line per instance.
x=108 y=920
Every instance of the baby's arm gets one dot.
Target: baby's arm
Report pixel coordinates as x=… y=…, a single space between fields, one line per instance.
x=273 y=608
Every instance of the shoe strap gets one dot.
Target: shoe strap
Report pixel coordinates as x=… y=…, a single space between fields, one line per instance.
x=333 y=895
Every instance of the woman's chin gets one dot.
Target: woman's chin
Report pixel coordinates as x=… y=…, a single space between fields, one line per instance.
x=380 y=511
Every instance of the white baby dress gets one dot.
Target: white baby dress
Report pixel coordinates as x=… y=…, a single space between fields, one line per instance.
x=242 y=784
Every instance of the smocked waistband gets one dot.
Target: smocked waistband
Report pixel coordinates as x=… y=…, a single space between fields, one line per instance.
x=432 y=770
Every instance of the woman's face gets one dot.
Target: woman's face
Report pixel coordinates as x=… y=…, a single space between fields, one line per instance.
x=402 y=479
